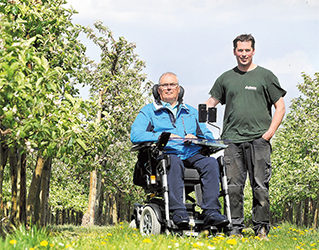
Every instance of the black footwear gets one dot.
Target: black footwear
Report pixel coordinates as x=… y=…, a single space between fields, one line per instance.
x=180 y=218
x=215 y=218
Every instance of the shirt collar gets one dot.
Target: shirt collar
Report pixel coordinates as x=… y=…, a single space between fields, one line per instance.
x=160 y=106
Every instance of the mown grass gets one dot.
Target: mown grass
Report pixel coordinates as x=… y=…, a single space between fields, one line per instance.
x=121 y=236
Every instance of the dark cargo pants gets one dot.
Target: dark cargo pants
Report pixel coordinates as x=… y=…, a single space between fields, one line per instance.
x=252 y=157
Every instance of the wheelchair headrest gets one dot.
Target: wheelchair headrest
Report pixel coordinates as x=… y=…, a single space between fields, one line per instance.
x=158 y=98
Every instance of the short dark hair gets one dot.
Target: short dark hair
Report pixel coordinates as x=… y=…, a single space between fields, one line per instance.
x=244 y=38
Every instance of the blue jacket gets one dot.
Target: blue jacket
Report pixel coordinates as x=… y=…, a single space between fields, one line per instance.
x=153 y=119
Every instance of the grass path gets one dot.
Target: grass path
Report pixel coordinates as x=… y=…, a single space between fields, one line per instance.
x=121 y=236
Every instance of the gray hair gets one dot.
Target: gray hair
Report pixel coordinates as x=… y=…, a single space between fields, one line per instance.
x=165 y=74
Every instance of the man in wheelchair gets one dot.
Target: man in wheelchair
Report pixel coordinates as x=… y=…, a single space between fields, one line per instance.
x=169 y=114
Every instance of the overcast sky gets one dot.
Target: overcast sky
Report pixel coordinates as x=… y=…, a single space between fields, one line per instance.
x=193 y=38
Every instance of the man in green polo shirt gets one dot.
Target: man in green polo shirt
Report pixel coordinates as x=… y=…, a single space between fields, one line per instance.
x=249 y=92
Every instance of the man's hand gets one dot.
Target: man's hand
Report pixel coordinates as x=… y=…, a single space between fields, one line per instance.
x=190 y=136
x=267 y=136
x=173 y=136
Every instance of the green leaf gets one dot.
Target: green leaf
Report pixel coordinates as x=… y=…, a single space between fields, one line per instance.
x=81 y=143
x=69 y=98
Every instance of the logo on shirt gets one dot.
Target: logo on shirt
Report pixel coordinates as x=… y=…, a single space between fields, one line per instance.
x=251 y=88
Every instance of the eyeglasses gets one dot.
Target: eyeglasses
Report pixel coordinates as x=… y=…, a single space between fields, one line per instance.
x=172 y=85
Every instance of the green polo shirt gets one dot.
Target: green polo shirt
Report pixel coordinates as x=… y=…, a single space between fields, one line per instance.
x=249 y=97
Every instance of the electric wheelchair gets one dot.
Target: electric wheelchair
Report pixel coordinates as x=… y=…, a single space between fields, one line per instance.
x=150 y=172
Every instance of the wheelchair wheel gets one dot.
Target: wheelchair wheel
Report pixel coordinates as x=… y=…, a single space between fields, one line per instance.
x=149 y=223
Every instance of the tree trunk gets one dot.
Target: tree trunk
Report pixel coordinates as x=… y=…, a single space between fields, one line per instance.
x=114 y=211
x=99 y=202
x=3 y=161
x=45 y=188
x=95 y=186
x=57 y=217
x=316 y=213
x=95 y=182
x=14 y=185
x=23 y=190
x=33 y=201
x=298 y=213
x=306 y=212
x=288 y=215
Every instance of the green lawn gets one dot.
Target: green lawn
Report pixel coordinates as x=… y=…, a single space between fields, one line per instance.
x=121 y=236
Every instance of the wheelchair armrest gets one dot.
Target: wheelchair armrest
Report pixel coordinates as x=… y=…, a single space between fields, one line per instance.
x=207 y=150
x=142 y=145
x=160 y=144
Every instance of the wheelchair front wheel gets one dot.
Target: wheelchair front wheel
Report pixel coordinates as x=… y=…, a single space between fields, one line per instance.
x=149 y=223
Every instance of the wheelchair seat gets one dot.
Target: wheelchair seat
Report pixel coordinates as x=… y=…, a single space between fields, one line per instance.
x=191 y=175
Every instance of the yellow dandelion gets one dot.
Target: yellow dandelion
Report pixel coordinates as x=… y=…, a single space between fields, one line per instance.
x=103 y=243
x=13 y=242
x=32 y=248
x=134 y=235
x=257 y=238
x=231 y=241
x=51 y=244
x=109 y=234
x=244 y=240
x=68 y=245
x=44 y=243
x=198 y=244
x=294 y=238
x=313 y=244
x=220 y=237
x=147 y=240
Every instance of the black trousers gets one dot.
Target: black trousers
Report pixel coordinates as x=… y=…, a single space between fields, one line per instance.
x=252 y=158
